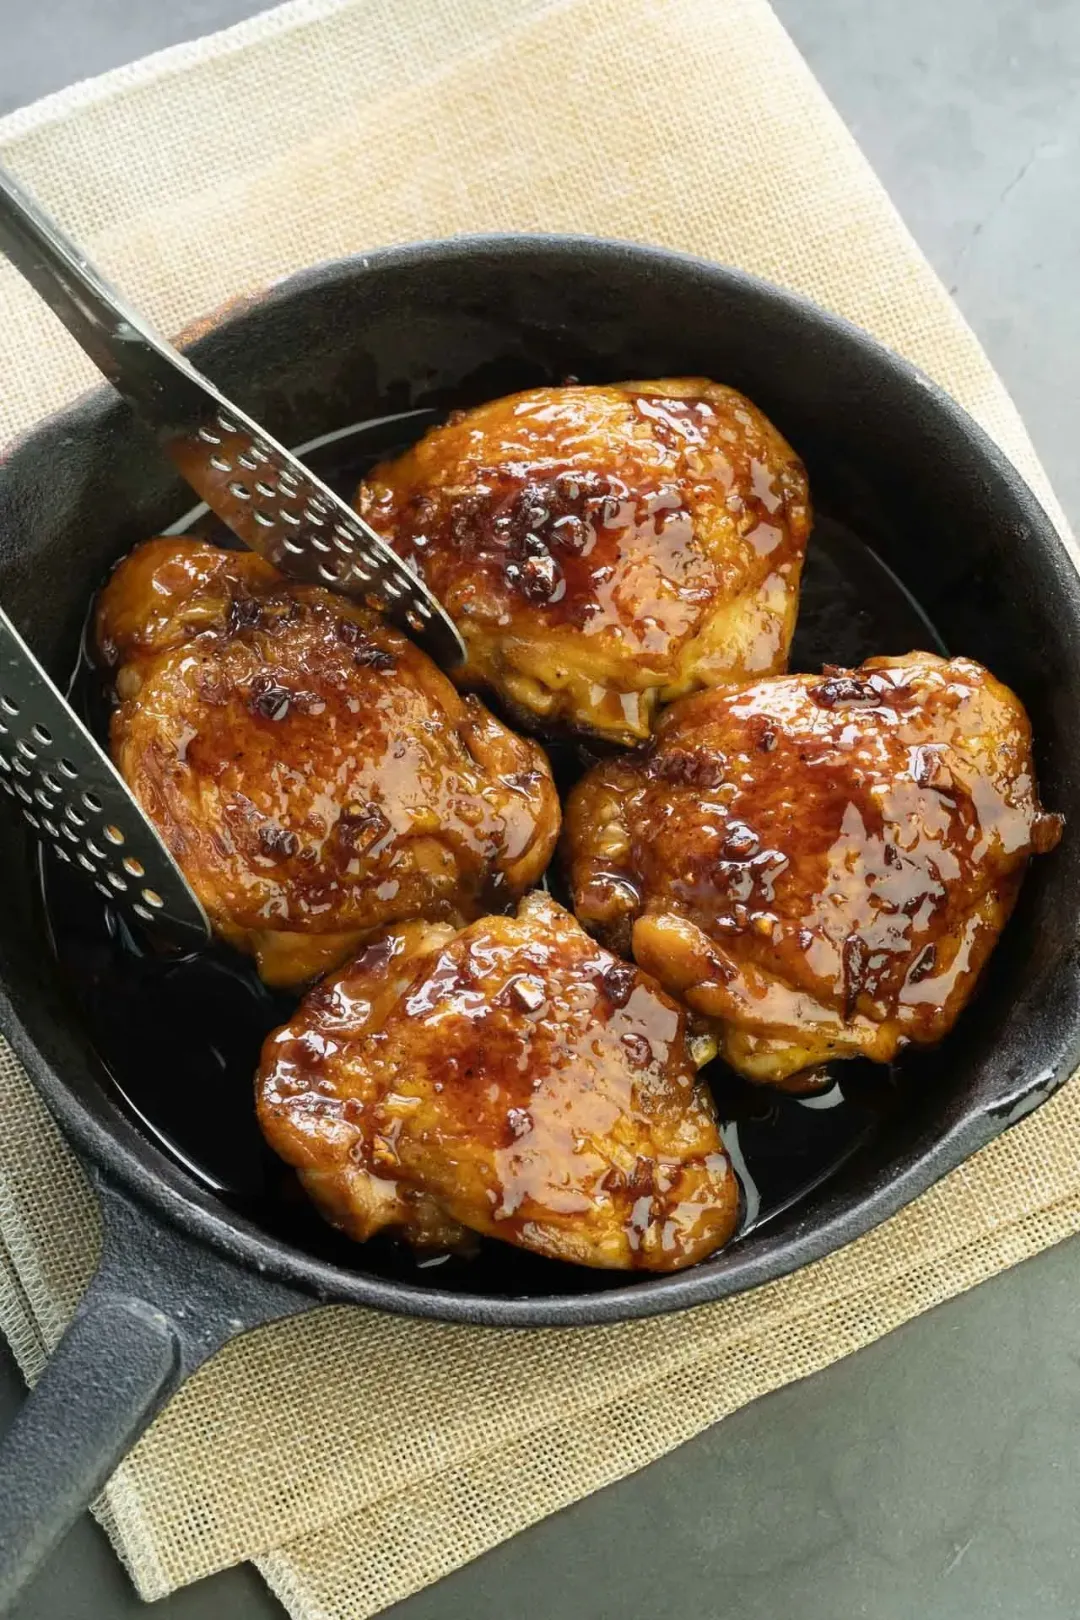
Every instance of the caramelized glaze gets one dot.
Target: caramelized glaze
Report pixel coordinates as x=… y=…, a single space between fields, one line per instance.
x=603 y=549
x=821 y=863
x=514 y=1080
x=312 y=771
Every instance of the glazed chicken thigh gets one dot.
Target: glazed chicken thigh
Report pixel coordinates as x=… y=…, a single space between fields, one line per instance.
x=314 y=774
x=604 y=549
x=513 y=1079
x=821 y=864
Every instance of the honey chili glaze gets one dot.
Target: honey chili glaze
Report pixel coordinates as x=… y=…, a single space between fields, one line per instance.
x=315 y=774
x=179 y=1039
x=604 y=549
x=821 y=863
x=512 y=1078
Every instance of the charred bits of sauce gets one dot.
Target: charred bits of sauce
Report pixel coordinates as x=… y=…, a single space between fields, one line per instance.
x=313 y=772
x=822 y=864
x=601 y=546
x=513 y=1078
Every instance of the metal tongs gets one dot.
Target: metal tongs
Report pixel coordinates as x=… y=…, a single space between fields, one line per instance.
x=69 y=791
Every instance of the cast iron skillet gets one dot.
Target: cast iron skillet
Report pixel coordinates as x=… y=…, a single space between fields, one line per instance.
x=447 y=324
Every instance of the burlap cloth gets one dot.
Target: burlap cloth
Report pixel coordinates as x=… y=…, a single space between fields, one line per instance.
x=356 y=1457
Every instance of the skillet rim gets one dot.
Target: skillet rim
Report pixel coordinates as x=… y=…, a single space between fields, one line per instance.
x=123 y=1153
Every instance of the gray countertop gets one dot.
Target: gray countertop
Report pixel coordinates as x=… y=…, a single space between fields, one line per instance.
x=934 y=1474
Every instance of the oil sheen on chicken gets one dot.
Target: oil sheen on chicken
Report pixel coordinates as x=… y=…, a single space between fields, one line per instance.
x=604 y=549
x=515 y=1080
x=314 y=774
x=820 y=863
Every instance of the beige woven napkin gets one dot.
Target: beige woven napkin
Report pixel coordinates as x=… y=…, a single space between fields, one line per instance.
x=335 y=125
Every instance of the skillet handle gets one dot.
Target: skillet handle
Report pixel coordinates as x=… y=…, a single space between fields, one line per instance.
x=159 y=1306
x=115 y=1366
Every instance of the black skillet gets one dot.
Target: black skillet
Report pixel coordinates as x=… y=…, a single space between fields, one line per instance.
x=926 y=535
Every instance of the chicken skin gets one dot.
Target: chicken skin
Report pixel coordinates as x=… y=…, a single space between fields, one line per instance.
x=604 y=549
x=513 y=1079
x=820 y=863
x=314 y=774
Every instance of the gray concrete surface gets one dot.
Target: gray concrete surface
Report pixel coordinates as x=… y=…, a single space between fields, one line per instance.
x=934 y=1476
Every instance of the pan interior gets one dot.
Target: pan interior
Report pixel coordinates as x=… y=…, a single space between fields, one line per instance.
x=195 y=1097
